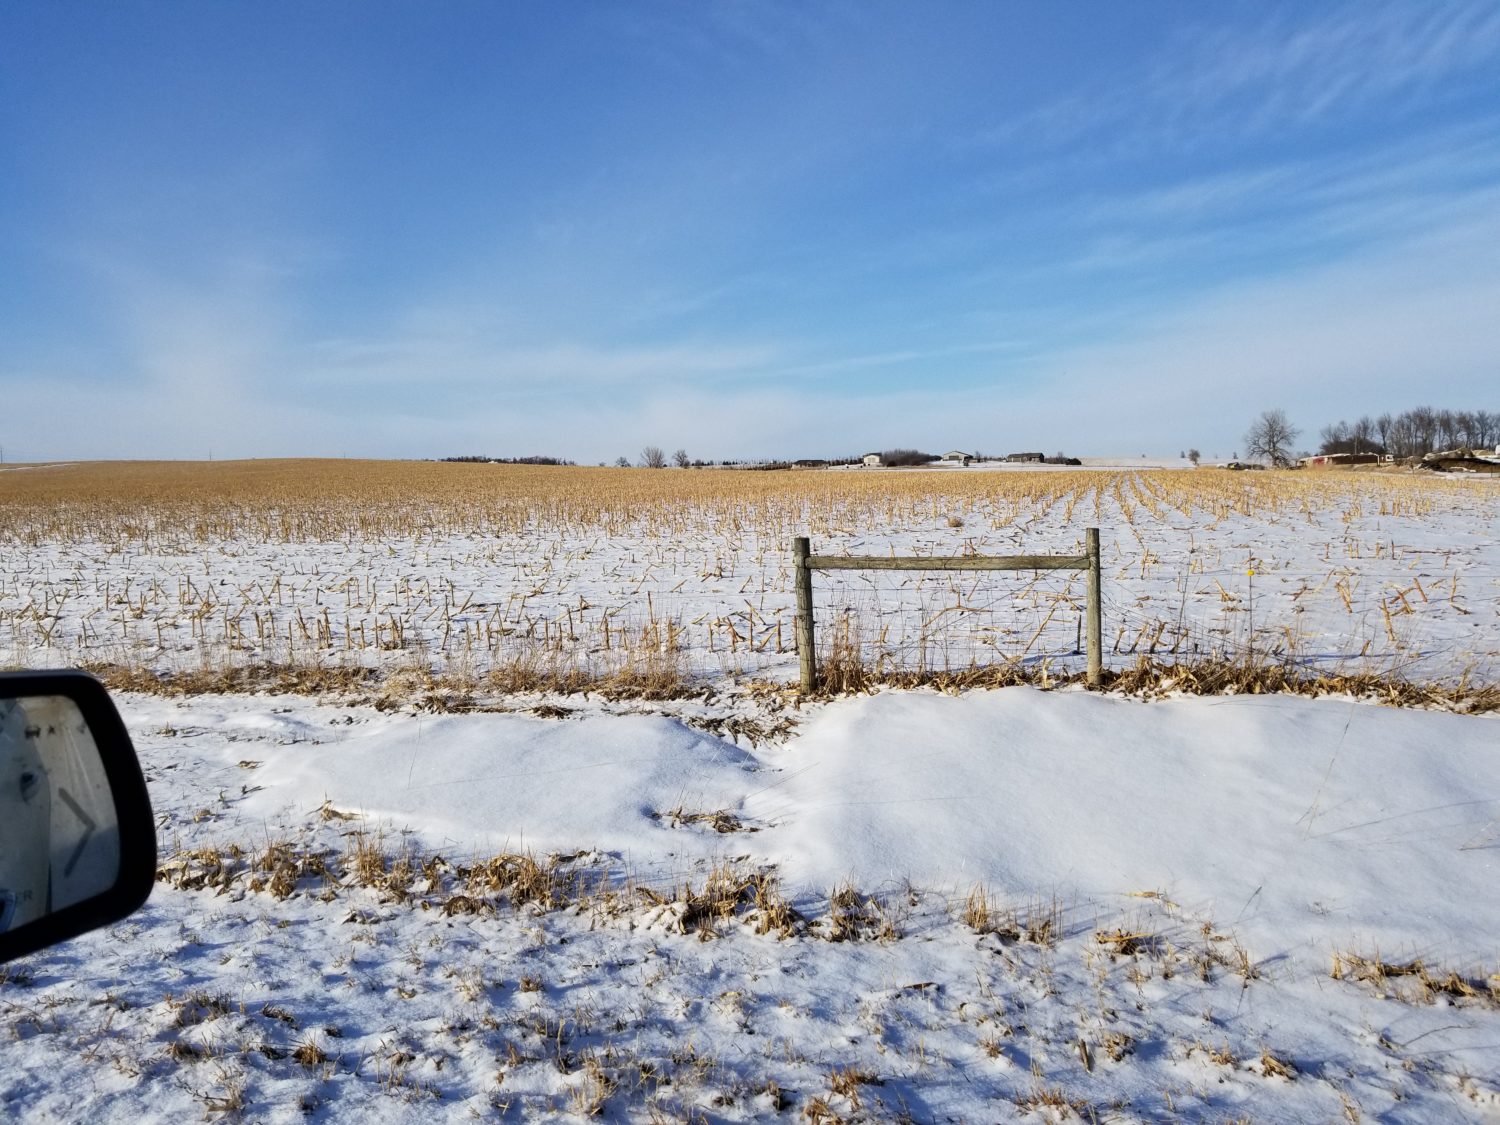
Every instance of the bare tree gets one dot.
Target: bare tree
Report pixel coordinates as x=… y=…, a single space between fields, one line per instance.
x=1447 y=429
x=1424 y=429
x=680 y=459
x=622 y=462
x=653 y=458
x=1335 y=439
x=1468 y=432
x=1488 y=426
x=1194 y=456
x=1383 y=426
x=1271 y=436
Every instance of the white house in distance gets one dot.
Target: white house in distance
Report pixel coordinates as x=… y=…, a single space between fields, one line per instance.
x=872 y=460
x=960 y=456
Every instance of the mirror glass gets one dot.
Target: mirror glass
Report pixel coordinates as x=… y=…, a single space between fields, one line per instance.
x=59 y=838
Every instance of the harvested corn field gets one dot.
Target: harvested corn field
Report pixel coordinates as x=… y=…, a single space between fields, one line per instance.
x=514 y=577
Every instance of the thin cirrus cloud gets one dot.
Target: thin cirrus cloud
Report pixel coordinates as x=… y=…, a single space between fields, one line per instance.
x=1294 y=68
x=1342 y=59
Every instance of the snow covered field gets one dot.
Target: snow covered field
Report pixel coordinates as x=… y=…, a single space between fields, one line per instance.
x=551 y=575
x=715 y=903
x=1007 y=903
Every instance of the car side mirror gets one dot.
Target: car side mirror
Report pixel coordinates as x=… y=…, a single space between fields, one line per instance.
x=77 y=839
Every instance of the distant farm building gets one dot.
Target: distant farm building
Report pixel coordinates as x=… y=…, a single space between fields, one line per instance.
x=872 y=459
x=1338 y=460
x=960 y=456
x=1026 y=458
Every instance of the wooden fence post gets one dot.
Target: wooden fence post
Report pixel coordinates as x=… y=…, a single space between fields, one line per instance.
x=1092 y=611
x=807 y=658
x=804 y=562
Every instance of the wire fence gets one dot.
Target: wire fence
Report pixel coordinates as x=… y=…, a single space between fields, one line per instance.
x=718 y=608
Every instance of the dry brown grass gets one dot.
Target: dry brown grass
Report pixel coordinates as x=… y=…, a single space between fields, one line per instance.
x=847 y=673
x=846 y=1081
x=1415 y=982
x=728 y=895
x=1274 y=1066
x=720 y=820
x=280 y=679
x=592 y=1094
x=523 y=880
x=1040 y=924
x=1259 y=677
x=844 y=669
x=855 y=916
x=309 y=1053
x=634 y=674
x=1054 y=1099
x=1127 y=943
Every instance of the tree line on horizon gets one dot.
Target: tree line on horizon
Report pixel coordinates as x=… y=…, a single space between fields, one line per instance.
x=1413 y=433
x=1410 y=434
x=481 y=459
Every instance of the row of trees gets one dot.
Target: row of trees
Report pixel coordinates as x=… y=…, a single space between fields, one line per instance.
x=1271 y=437
x=481 y=459
x=896 y=457
x=1413 y=432
x=653 y=458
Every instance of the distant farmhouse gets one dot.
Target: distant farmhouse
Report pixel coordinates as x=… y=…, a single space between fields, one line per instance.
x=872 y=459
x=1026 y=458
x=1336 y=460
x=960 y=456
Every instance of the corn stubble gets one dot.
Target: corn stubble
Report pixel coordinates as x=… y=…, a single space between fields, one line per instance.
x=175 y=625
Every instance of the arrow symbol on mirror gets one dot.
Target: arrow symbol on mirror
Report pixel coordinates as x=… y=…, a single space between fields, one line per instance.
x=88 y=828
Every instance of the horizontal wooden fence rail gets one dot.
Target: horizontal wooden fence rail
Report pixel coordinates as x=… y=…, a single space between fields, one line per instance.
x=804 y=562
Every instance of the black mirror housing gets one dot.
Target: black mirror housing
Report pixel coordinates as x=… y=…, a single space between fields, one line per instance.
x=103 y=828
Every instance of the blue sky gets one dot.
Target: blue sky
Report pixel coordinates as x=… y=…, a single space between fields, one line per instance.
x=376 y=229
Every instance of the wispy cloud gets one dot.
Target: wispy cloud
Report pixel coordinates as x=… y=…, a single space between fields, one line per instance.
x=1368 y=191
x=844 y=364
x=1304 y=70
x=1216 y=83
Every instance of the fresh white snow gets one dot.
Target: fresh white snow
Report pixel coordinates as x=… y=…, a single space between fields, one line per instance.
x=1238 y=843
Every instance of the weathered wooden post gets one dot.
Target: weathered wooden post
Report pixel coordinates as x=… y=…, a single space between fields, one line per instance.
x=807 y=657
x=1092 y=611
